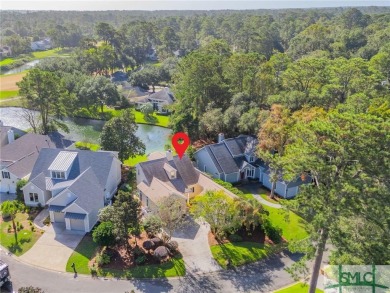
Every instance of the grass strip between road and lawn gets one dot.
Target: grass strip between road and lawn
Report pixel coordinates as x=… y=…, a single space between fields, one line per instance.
x=297 y=288
x=87 y=249
x=239 y=253
x=26 y=237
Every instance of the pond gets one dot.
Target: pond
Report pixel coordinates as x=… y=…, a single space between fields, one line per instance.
x=154 y=137
x=23 y=67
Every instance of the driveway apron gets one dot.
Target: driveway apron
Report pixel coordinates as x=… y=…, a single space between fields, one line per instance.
x=53 y=248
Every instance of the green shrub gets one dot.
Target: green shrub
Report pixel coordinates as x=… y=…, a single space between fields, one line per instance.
x=93 y=271
x=235 y=238
x=19 y=193
x=30 y=223
x=138 y=251
x=152 y=225
x=47 y=221
x=140 y=260
x=103 y=259
x=273 y=233
x=32 y=229
x=104 y=234
x=9 y=229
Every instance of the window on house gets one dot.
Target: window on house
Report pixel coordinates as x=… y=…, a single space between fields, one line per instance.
x=5 y=174
x=205 y=168
x=250 y=173
x=252 y=159
x=58 y=175
x=147 y=201
x=33 y=197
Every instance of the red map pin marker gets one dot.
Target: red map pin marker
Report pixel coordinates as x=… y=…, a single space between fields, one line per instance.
x=180 y=147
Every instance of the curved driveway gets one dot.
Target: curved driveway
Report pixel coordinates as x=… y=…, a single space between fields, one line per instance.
x=264 y=276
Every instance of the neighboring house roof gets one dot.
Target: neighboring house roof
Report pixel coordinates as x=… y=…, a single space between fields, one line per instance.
x=224 y=158
x=228 y=155
x=163 y=95
x=19 y=156
x=157 y=190
x=4 y=134
x=99 y=162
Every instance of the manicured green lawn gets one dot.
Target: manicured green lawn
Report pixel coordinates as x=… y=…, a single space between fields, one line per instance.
x=239 y=253
x=8 y=94
x=291 y=224
x=134 y=161
x=7 y=61
x=81 y=255
x=87 y=145
x=45 y=54
x=26 y=238
x=87 y=249
x=267 y=198
x=297 y=288
x=13 y=103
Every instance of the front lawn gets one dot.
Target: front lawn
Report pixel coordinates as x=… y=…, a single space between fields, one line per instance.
x=239 y=253
x=48 y=53
x=291 y=224
x=26 y=237
x=7 y=61
x=267 y=198
x=81 y=255
x=297 y=288
x=87 y=249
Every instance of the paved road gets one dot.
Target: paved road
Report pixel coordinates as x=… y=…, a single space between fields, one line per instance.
x=264 y=276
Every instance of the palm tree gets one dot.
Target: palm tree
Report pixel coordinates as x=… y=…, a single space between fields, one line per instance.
x=251 y=212
x=11 y=208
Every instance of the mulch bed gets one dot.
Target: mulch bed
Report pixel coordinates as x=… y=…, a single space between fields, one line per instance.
x=121 y=260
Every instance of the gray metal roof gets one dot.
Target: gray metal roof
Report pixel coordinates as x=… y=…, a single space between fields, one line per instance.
x=63 y=161
x=55 y=208
x=75 y=216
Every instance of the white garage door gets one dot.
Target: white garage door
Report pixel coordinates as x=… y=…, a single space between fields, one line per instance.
x=77 y=225
x=59 y=217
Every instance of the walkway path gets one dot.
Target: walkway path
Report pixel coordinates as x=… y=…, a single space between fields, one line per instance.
x=194 y=246
x=38 y=221
x=253 y=188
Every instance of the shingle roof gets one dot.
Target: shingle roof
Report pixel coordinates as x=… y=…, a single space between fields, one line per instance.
x=100 y=163
x=224 y=158
x=90 y=195
x=186 y=173
x=163 y=95
x=241 y=144
x=21 y=155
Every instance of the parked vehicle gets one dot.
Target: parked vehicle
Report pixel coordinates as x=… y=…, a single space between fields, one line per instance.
x=4 y=273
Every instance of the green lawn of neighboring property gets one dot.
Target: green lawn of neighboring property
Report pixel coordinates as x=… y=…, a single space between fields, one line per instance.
x=47 y=53
x=239 y=253
x=87 y=145
x=134 y=161
x=297 y=288
x=267 y=198
x=7 y=61
x=291 y=224
x=19 y=102
x=26 y=238
x=8 y=94
x=86 y=250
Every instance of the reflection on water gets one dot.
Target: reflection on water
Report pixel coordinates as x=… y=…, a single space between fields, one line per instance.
x=154 y=137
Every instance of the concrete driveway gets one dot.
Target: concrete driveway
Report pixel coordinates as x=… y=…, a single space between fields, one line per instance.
x=194 y=246
x=54 y=248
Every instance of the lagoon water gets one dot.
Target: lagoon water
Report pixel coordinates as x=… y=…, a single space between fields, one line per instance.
x=23 y=67
x=81 y=129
